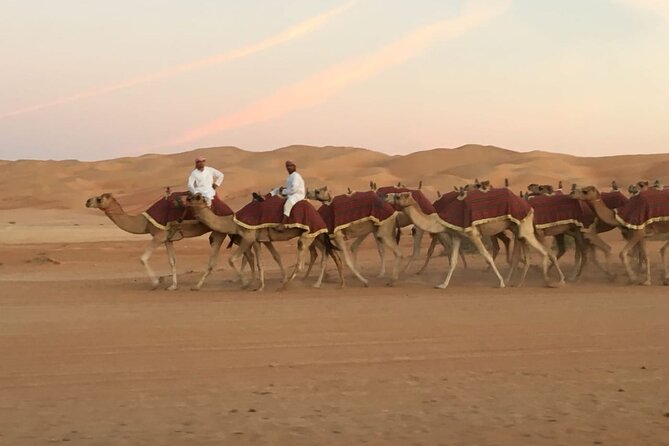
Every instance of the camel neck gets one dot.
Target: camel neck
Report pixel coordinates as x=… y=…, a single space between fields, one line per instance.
x=603 y=212
x=214 y=222
x=134 y=224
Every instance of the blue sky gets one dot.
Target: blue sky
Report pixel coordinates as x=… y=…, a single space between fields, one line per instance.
x=587 y=77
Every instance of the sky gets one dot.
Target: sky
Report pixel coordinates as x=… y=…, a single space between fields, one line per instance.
x=90 y=80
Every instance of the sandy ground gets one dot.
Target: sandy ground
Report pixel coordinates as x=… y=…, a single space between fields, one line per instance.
x=91 y=356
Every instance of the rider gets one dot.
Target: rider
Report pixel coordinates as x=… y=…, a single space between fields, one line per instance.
x=294 y=191
x=204 y=180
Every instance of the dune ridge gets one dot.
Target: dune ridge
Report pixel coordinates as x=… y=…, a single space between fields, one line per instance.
x=138 y=181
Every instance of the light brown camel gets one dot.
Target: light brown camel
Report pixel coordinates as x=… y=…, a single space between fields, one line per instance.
x=248 y=239
x=401 y=222
x=384 y=233
x=434 y=225
x=138 y=224
x=634 y=237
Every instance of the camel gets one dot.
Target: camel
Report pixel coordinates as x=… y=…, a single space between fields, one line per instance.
x=401 y=222
x=634 y=237
x=248 y=239
x=585 y=240
x=384 y=233
x=139 y=224
x=434 y=225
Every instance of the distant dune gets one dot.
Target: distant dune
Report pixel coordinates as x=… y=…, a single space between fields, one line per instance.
x=139 y=181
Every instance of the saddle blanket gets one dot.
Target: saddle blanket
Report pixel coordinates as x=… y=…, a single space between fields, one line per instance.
x=173 y=209
x=647 y=207
x=555 y=210
x=269 y=214
x=344 y=210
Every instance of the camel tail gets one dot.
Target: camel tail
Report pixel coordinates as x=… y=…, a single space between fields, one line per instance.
x=329 y=246
x=234 y=239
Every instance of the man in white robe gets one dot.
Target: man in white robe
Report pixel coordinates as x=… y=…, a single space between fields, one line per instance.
x=204 y=180
x=294 y=191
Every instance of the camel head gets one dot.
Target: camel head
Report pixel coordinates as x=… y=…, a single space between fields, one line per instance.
x=321 y=194
x=588 y=193
x=101 y=202
x=196 y=201
x=658 y=185
x=462 y=192
x=546 y=189
x=643 y=185
x=483 y=186
x=533 y=188
x=402 y=199
x=633 y=189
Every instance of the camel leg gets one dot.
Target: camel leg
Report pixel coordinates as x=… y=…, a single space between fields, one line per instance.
x=302 y=249
x=313 y=255
x=525 y=249
x=596 y=242
x=417 y=240
x=341 y=243
x=355 y=244
x=169 y=246
x=215 y=249
x=476 y=240
x=430 y=251
x=385 y=235
x=548 y=256
x=632 y=242
x=277 y=258
x=455 y=248
x=261 y=270
x=153 y=244
x=582 y=247
x=321 y=247
x=243 y=247
x=340 y=269
x=515 y=259
x=663 y=251
x=382 y=256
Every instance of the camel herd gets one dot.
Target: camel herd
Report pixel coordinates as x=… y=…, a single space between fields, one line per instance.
x=519 y=235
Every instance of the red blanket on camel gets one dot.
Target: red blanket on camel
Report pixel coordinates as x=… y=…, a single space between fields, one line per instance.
x=481 y=207
x=269 y=213
x=345 y=210
x=554 y=210
x=173 y=208
x=451 y=210
x=647 y=207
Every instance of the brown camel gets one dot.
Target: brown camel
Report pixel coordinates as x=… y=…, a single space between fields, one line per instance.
x=248 y=239
x=634 y=236
x=383 y=233
x=138 y=224
x=433 y=224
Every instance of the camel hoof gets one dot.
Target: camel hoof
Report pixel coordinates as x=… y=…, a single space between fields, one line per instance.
x=316 y=285
x=155 y=285
x=195 y=288
x=441 y=286
x=171 y=288
x=501 y=285
x=645 y=283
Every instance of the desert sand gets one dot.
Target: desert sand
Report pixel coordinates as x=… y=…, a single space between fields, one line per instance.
x=92 y=356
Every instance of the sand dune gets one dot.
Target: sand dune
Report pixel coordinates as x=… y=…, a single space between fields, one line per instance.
x=140 y=180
